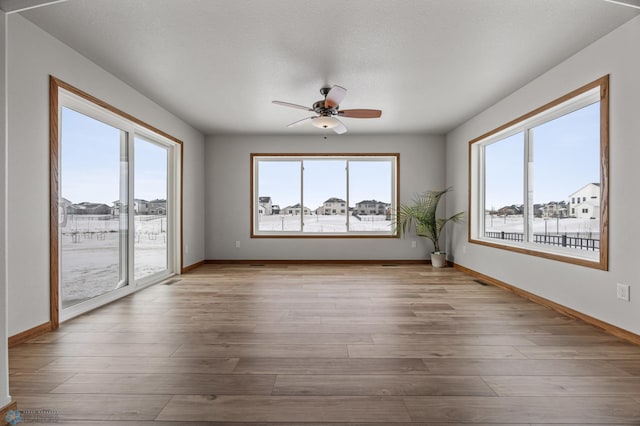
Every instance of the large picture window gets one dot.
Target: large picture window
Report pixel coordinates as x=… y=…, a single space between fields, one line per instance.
x=323 y=195
x=539 y=184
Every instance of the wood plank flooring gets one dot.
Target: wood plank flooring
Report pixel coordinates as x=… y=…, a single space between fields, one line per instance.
x=316 y=344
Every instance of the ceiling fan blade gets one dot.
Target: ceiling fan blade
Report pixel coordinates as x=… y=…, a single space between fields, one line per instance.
x=335 y=96
x=339 y=128
x=360 y=113
x=290 y=105
x=296 y=123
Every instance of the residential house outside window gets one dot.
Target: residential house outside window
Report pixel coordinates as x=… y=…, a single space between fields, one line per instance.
x=329 y=187
x=539 y=184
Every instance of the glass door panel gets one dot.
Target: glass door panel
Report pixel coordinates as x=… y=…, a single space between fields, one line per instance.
x=93 y=218
x=150 y=207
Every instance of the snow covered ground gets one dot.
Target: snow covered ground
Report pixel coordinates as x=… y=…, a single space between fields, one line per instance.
x=586 y=228
x=90 y=245
x=90 y=254
x=322 y=223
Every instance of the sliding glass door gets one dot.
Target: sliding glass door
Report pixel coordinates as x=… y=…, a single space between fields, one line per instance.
x=150 y=208
x=93 y=226
x=117 y=201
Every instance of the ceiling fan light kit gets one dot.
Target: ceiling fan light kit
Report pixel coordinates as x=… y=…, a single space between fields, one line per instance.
x=327 y=110
x=325 y=122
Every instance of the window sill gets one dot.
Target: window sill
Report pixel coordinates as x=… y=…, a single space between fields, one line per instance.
x=596 y=260
x=322 y=235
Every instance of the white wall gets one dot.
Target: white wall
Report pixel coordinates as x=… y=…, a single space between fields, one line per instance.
x=4 y=358
x=587 y=290
x=228 y=195
x=32 y=56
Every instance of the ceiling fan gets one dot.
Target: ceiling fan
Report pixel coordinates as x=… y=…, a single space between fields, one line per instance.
x=327 y=110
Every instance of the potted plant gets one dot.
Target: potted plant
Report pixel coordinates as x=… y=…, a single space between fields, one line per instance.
x=421 y=214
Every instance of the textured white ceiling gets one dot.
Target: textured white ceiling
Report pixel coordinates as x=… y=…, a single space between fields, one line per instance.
x=428 y=64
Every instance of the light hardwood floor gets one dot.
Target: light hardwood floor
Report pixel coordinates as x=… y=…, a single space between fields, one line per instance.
x=298 y=344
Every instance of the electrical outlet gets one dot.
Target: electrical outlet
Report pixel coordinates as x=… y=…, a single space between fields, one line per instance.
x=237 y=244
x=464 y=248
x=186 y=249
x=623 y=292
x=414 y=244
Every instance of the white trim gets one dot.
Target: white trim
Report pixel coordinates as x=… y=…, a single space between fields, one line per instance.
x=347 y=197
x=5 y=397
x=527 y=208
x=301 y=197
x=172 y=206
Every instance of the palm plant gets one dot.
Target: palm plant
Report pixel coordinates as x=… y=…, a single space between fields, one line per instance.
x=422 y=214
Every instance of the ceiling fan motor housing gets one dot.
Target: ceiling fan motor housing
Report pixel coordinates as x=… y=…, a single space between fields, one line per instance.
x=322 y=110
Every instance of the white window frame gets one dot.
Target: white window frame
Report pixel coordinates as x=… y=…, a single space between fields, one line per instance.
x=173 y=204
x=393 y=158
x=84 y=105
x=591 y=93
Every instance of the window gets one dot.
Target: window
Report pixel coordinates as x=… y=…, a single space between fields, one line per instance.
x=115 y=190
x=527 y=176
x=93 y=228
x=327 y=189
x=150 y=190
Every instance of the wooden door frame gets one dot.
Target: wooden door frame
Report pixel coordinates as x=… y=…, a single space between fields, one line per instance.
x=54 y=190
